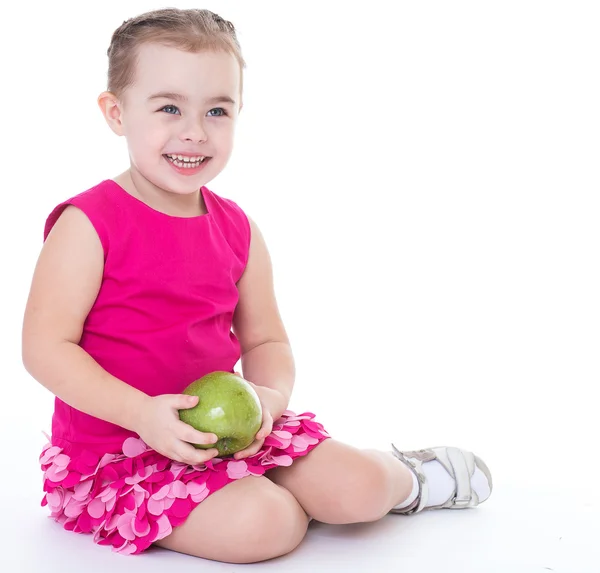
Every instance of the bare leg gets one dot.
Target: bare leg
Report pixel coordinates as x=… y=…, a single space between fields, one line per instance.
x=249 y=520
x=337 y=483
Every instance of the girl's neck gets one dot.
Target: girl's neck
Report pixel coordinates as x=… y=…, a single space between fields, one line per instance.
x=191 y=205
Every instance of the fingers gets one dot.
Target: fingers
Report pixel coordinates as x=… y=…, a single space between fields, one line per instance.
x=189 y=434
x=264 y=431
x=187 y=454
x=183 y=401
x=254 y=448
x=267 y=426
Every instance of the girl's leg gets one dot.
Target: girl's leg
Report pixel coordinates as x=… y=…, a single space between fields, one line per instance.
x=251 y=519
x=337 y=483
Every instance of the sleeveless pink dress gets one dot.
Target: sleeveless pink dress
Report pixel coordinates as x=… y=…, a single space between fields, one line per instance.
x=162 y=319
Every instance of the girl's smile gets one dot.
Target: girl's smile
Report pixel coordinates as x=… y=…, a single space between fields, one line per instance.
x=186 y=165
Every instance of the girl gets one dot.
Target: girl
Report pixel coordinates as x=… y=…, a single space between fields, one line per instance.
x=148 y=281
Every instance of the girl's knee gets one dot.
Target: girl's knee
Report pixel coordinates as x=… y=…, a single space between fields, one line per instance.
x=274 y=525
x=372 y=491
x=249 y=520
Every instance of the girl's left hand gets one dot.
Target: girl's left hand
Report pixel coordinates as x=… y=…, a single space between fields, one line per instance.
x=272 y=403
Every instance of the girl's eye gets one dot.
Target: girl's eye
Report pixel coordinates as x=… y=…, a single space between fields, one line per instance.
x=218 y=109
x=169 y=106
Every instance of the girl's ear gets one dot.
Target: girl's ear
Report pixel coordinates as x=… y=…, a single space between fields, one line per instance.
x=111 y=110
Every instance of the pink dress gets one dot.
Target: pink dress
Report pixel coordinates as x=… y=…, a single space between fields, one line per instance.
x=162 y=319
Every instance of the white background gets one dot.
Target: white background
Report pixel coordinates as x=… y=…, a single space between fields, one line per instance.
x=426 y=178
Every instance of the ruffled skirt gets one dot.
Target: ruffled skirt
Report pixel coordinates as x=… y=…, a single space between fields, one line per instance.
x=131 y=499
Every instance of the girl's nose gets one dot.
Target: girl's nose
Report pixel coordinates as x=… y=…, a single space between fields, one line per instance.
x=194 y=131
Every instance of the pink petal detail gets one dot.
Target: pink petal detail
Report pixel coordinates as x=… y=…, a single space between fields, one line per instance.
x=237 y=469
x=141 y=512
x=55 y=499
x=56 y=475
x=107 y=494
x=82 y=489
x=49 y=454
x=314 y=429
x=111 y=503
x=178 y=489
x=181 y=508
x=74 y=508
x=155 y=507
x=282 y=434
x=111 y=524
x=84 y=522
x=139 y=466
x=71 y=479
x=137 y=477
x=141 y=527
x=134 y=447
x=301 y=442
x=127 y=504
x=257 y=470
x=140 y=495
x=155 y=477
x=148 y=471
x=96 y=508
x=177 y=467
x=106 y=459
x=304 y=416
x=62 y=461
x=197 y=491
x=124 y=525
x=274 y=441
x=161 y=493
x=164 y=527
x=283 y=460
x=126 y=549
x=125 y=489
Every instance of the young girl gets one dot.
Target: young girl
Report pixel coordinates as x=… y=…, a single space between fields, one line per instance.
x=148 y=281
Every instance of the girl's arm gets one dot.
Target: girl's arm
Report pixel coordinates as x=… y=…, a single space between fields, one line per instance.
x=65 y=284
x=267 y=358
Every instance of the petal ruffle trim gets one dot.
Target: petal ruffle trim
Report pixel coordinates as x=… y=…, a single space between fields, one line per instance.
x=133 y=499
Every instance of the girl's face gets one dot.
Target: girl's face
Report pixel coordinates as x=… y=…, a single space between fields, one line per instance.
x=181 y=104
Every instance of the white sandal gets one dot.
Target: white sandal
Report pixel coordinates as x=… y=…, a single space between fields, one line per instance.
x=460 y=464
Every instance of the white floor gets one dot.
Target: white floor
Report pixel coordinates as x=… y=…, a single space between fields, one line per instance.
x=543 y=515
x=517 y=530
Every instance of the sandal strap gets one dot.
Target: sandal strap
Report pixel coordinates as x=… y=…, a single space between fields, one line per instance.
x=414 y=461
x=462 y=477
x=458 y=463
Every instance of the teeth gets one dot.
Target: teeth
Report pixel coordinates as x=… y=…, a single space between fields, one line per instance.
x=188 y=162
x=187 y=159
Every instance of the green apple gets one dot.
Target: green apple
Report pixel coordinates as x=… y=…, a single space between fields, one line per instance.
x=228 y=407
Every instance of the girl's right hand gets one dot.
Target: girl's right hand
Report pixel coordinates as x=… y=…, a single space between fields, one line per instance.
x=158 y=424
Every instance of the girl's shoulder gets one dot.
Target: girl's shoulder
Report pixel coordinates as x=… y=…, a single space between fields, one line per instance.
x=95 y=203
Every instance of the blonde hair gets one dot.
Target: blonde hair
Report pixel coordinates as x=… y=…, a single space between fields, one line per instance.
x=191 y=30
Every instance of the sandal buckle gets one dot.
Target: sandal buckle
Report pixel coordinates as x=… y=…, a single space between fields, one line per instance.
x=461 y=502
